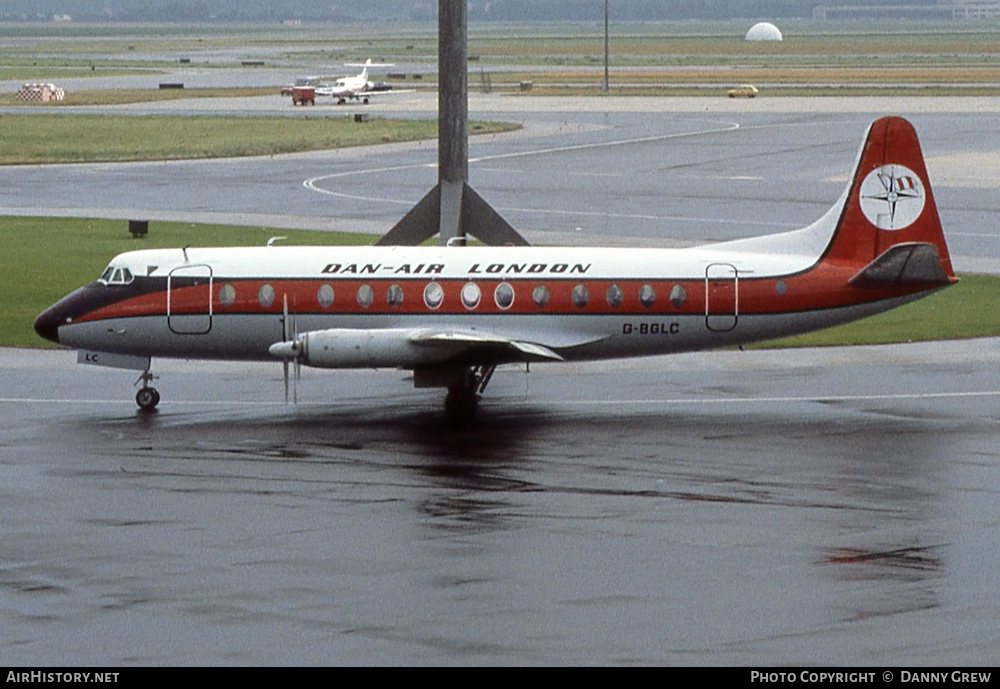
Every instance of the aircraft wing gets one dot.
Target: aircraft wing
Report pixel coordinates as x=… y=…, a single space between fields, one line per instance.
x=387 y=91
x=338 y=92
x=418 y=347
x=474 y=346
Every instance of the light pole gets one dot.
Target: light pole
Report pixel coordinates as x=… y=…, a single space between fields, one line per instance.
x=604 y=87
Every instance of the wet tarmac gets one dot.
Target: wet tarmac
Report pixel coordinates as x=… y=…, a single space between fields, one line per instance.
x=747 y=508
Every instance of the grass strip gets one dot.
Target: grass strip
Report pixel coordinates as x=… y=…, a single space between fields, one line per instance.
x=34 y=139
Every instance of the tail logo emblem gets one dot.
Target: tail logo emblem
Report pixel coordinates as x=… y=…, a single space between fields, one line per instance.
x=892 y=197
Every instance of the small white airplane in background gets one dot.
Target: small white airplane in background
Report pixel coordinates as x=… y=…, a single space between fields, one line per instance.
x=357 y=88
x=453 y=314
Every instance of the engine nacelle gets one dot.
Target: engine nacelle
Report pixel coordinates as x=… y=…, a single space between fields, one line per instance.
x=346 y=348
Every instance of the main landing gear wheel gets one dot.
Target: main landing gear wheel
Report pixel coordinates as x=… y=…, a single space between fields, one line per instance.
x=147 y=398
x=463 y=399
x=460 y=405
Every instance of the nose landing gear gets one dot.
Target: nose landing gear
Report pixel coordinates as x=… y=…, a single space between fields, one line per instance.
x=147 y=398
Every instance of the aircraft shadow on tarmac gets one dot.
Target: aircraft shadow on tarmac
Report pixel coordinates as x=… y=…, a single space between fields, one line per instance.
x=849 y=468
x=759 y=456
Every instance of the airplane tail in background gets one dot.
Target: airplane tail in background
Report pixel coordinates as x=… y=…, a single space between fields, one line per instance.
x=889 y=226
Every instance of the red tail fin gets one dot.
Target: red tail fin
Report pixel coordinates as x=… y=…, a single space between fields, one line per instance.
x=890 y=203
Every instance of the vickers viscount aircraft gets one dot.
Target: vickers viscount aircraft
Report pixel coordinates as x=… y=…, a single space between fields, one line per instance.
x=453 y=314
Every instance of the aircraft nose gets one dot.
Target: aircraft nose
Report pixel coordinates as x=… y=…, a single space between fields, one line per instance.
x=47 y=324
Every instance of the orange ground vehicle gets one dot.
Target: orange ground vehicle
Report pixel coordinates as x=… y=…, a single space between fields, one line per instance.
x=303 y=95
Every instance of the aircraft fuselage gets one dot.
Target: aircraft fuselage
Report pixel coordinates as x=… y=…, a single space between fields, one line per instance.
x=581 y=303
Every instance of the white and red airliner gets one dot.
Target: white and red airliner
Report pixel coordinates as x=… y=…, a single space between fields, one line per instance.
x=452 y=314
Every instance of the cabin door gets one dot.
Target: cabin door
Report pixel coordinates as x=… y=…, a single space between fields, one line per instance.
x=722 y=303
x=189 y=300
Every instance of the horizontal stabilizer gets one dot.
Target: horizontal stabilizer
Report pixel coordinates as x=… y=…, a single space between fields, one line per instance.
x=903 y=264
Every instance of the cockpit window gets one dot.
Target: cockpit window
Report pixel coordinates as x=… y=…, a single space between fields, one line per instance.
x=116 y=276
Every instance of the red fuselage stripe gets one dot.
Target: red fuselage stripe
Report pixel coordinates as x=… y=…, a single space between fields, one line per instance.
x=799 y=293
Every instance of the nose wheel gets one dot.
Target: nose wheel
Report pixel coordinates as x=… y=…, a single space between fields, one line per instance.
x=147 y=398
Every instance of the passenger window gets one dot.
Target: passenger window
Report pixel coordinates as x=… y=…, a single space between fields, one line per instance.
x=366 y=295
x=503 y=295
x=433 y=295
x=647 y=296
x=265 y=295
x=324 y=295
x=678 y=296
x=580 y=296
x=394 y=296
x=227 y=295
x=471 y=295
x=540 y=295
x=615 y=296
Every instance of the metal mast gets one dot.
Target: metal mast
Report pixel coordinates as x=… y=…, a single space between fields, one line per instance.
x=452 y=209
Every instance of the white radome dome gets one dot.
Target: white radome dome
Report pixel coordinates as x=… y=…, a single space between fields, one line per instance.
x=764 y=31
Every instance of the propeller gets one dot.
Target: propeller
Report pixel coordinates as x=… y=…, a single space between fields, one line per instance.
x=289 y=349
